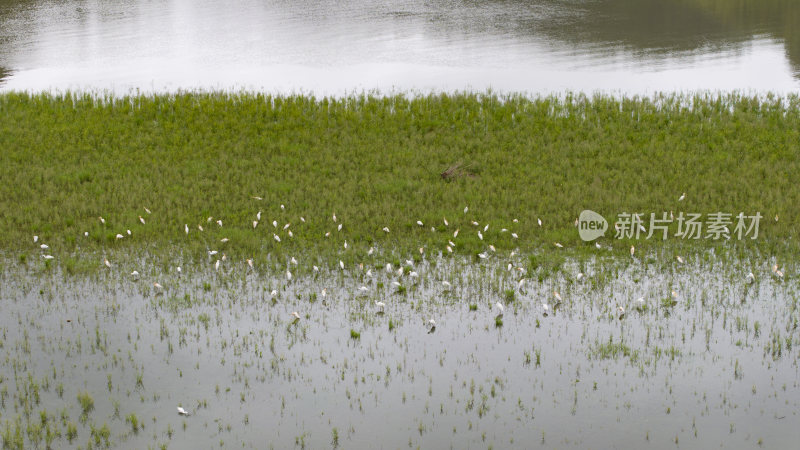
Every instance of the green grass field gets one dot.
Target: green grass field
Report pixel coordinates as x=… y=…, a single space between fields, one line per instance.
x=376 y=162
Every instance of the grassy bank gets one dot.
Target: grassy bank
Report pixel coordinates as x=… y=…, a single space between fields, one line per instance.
x=67 y=160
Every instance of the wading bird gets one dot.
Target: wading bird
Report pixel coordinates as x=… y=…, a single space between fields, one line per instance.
x=296 y=317
x=683 y=196
x=380 y=306
x=500 y=308
x=182 y=412
x=432 y=325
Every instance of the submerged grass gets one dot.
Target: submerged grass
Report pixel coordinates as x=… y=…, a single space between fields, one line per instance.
x=375 y=162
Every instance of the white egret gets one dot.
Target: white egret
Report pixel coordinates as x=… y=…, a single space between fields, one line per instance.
x=216 y=266
x=475 y=223
x=421 y=250
x=44 y=246
x=103 y=221
x=158 y=287
x=597 y=244
x=258 y=215
x=380 y=306
x=446 y=284
x=449 y=249
x=224 y=240
x=480 y=236
x=273 y=293
x=455 y=233
x=491 y=247
x=557 y=296
x=186 y=228
x=289 y=275
x=255 y=197
x=750 y=277
x=419 y=222
x=386 y=229
x=199 y=227
x=293 y=261
x=633 y=250
x=413 y=274
x=141 y=219
x=500 y=308
x=35 y=239
x=135 y=275
x=514 y=235
x=621 y=312
x=250 y=263
x=302 y=219
x=178 y=269
x=255 y=224
x=296 y=317
x=316 y=269
x=482 y=255
x=546 y=308
x=328 y=234
x=486 y=228
x=129 y=232
x=680 y=260
x=334 y=217
x=276 y=237
x=521 y=283
x=388 y=267
x=212 y=252
x=680 y=199
x=580 y=276
x=445 y=221
x=274 y=224
x=371 y=250
x=283 y=207
x=339 y=228
x=219 y=222
x=504 y=230
x=108 y=264
x=515 y=221
x=290 y=234
x=369 y=273
x=432 y=325
x=48 y=256
x=86 y=234
x=558 y=244
x=540 y=221
x=345 y=244
x=395 y=284
x=466 y=208
x=182 y=411
x=363 y=289
x=341 y=264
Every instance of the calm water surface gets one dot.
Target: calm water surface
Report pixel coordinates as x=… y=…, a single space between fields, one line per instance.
x=335 y=47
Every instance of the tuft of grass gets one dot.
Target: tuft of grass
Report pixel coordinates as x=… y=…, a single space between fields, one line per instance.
x=355 y=335
x=86 y=402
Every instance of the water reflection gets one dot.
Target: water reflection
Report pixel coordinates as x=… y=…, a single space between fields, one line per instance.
x=511 y=44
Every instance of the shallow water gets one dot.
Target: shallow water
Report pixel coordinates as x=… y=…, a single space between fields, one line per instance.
x=335 y=47
x=695 y=372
